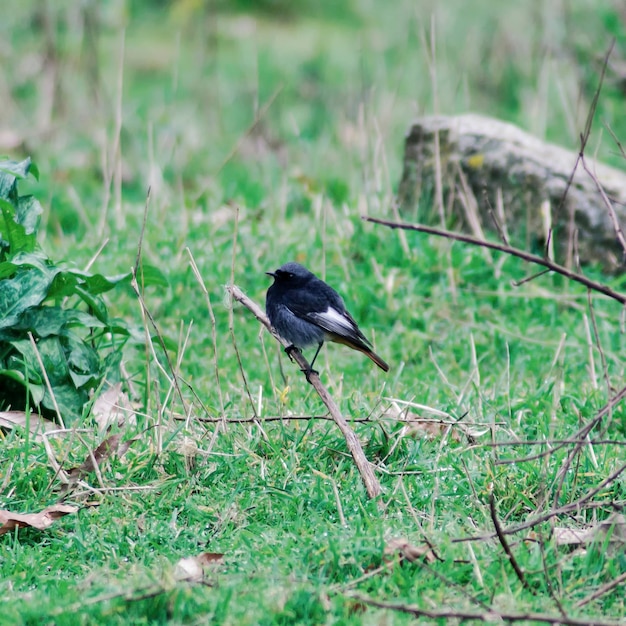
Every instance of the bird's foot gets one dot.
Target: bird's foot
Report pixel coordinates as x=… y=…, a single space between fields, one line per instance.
x=289 y=350
x=308 y=372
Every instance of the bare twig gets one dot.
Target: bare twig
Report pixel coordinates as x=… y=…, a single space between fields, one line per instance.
x=580 y=436
x=584 y=137
x=367 y=474
x=603 y=590
x=135 y=286
x=207 y=299
x=33 y=343
x=566 y=509
x=231 y=321
x=505 y=545
x=487 y=616
x=521 y=254
x=616 y=225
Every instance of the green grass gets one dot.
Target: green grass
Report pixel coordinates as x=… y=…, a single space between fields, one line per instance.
x=346 y=84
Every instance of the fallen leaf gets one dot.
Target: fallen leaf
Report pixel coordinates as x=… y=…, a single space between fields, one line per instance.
x=433 y=427
x=36 y=424
x=106 y=449
x=112 y=407
x=615 y=524
x=42 y=520
x=192 y=568
x=408 y=551
x=206 y=558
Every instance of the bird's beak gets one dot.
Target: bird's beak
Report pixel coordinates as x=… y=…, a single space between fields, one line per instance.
x=272 y=274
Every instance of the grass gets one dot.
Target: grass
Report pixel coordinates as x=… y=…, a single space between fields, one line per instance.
x=336 y=90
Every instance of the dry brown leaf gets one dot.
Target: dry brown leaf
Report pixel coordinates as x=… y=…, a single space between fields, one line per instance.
x=433 y=427
x=615 y=524
x=106 y=449
x=192 y=568
x=408 y=551
x=112 y=407
x=42 y=520
x=36 y=424
x=209 y=558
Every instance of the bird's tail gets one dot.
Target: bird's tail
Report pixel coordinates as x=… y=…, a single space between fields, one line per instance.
x=372 y=355
x=361 y=347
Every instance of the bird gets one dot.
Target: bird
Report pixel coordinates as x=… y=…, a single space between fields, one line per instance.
x=304 y=311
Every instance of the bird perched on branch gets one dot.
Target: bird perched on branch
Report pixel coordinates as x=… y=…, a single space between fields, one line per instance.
x=304 y=310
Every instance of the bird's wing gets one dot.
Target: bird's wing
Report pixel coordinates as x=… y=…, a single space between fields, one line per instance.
x=338 y=323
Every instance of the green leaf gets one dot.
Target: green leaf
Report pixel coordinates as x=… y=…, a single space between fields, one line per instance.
x=43 y=321
x=14 y=233
x=63 y=285
x=150 y=275
x=96 y=284
x=69 y=400
x=27 y=214
x=67 y=282
x=20 y=215
x=83 y=362
x=9 y=172
x=36 y=391
x=26 y=289
x=24 y=361
x=95 y=304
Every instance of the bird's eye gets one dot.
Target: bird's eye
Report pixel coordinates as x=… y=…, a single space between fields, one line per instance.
x=290 y=275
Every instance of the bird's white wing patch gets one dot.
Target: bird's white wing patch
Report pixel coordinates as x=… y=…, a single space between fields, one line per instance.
x=333 y=321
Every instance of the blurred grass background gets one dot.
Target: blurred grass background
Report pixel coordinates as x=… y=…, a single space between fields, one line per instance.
x=294 y=113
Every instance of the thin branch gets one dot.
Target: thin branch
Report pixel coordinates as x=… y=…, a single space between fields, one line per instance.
x=601 y=591
x=487 y=616
x=505 y=545
x=207 y=300
x=367 y=473
x=616 y=225
x=584 y=138
x=135 y=286
x=258 y=117
x=580 y=436
x=566 y=509
x=521 y=254
x=33 y=343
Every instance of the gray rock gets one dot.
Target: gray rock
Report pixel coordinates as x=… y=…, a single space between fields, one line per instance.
x=481 y=157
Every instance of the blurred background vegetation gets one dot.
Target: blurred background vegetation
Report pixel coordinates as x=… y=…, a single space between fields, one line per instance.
x=294 y=111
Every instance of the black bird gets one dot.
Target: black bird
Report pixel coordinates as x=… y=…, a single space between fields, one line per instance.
x=304 y=310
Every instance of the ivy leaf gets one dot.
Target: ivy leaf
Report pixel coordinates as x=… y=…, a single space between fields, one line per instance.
x=26 y=289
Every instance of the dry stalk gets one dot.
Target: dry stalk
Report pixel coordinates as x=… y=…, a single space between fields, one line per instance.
x=367 y=474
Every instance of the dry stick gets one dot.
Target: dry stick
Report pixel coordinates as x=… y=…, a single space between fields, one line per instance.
x=505 y=545
x=531 y=258
x=580 y=436
x=543 y=442
x=207 y=299
x=564 y=471
x=521 y=254
x=257 y=118
x=577 y=505
x=601 y=591
x=584 y=138
x=33 y=343
x=487 y=616
x=367 y=474
x=135 y=286
x=231 y=325
x=616 y=225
